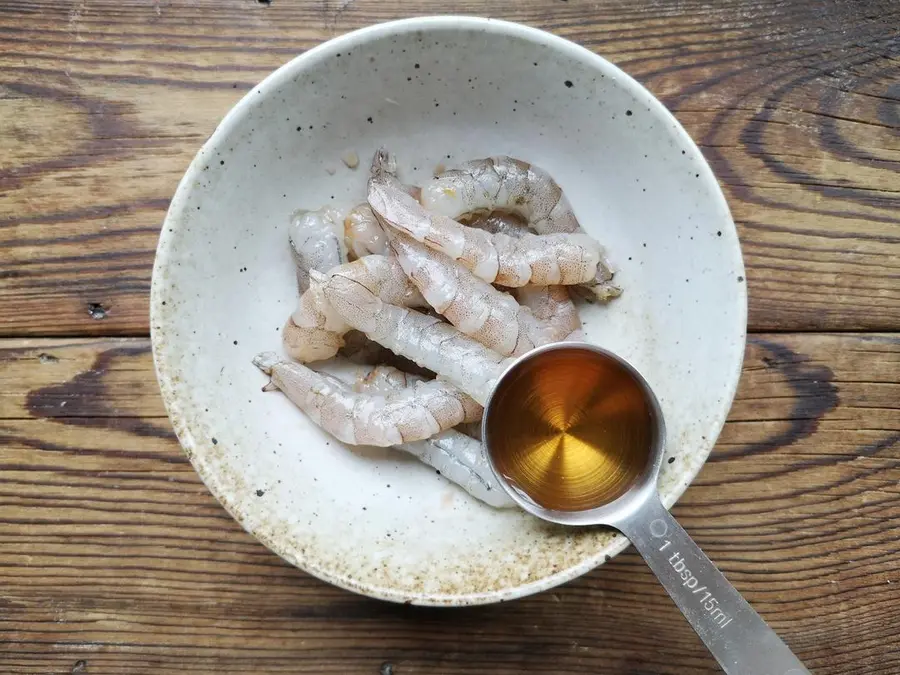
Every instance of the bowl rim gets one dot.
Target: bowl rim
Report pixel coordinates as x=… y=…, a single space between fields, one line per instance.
x=234 y=116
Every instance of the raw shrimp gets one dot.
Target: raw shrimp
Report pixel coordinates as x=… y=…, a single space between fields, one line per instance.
x=315 y=331
x=456 y=456
x=413 y=413
x=509 y=184
x=423 y=339
x=479 y=310
x=497 y=258
x=363 y=234
x=383 y=276
x=317 y=242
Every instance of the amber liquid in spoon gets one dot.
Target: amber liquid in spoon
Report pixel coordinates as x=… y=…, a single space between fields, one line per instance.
x=581 y=436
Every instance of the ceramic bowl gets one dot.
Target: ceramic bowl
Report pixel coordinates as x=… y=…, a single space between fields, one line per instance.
x=435 y=91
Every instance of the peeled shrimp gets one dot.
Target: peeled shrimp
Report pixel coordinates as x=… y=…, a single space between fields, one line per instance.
x=317 y=242
x=409 y=414
x=315 y=331
x=479 y=310
x=510 y=184
x=497 y=258
x=425 y=340
x=363 y=233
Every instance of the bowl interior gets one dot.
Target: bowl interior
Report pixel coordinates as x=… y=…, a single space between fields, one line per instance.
x=436 y=92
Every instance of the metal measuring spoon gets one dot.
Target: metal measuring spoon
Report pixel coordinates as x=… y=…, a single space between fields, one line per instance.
x=576 y=436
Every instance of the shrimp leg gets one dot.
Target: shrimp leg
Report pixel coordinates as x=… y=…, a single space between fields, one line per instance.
x=496 y=258
x=423 y=339
x=479 y=310
x=409 y=414
x=509 y=184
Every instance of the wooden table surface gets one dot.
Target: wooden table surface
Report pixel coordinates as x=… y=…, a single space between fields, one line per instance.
x=114 y=558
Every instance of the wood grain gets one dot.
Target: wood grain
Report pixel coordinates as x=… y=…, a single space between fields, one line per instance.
x=103 y=103
x=114 y=558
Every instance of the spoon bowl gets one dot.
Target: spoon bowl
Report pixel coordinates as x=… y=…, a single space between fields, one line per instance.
x=575 y=433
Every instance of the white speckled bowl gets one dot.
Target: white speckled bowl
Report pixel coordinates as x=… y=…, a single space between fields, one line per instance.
x=434 y=90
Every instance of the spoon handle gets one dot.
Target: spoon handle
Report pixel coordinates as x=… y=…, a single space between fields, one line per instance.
x=734 y=633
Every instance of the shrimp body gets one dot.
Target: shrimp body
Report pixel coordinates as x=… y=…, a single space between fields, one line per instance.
x=540 y=260
x=315 y=330
x=502 y=183
x=508 y=184
x=425 y=340
x=409 y=414
x=476 y=308
x=553 y=306
x=456 y=456
x=383 y=276
x=317 y=242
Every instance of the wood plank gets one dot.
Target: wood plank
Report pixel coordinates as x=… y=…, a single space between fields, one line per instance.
x=103 y=104
x=115 y=559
